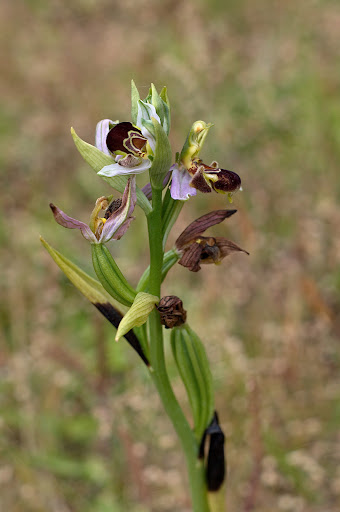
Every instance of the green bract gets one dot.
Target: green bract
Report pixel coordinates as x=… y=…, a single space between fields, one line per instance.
x=138 y=314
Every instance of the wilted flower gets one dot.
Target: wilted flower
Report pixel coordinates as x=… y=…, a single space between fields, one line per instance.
x=171 y=311
x=114 y=223
x=196 y=249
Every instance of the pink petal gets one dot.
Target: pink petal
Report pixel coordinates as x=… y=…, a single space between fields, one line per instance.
x=180 y=184
x=70 y=223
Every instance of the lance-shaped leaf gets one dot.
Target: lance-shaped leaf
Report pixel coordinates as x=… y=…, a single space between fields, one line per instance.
x=138 y=314
x=95 y=293
x=97 y=160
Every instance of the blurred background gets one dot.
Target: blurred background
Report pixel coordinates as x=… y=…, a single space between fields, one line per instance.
x=81 y=428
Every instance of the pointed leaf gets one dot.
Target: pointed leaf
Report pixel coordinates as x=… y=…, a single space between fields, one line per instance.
x=88 y=286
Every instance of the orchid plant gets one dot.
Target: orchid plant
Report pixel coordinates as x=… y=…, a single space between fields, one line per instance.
x=122 y=151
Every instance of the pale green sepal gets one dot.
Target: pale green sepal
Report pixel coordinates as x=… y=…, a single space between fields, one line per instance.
x=166 y=103
x=164 y=96
x=157 y=103
x=138 y=314
x=162 y=108
x=134 y=102
x=88 y=286
x=147 y=123
x=162 y=161
x=216 y=499
x=97 y=160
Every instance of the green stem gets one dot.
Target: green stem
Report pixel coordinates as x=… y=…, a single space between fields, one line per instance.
x=159 y=372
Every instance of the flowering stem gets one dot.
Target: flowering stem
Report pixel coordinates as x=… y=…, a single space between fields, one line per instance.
x=159 y=372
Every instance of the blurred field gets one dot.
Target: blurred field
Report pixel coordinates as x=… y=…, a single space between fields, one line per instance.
x=81 y=428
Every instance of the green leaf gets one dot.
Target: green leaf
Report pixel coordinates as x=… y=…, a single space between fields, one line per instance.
x=88 y=286
x=162 y=161
x=138 y=314
x=97 y=160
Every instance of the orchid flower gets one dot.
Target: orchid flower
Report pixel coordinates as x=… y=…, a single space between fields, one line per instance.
x=190 y=173
x=115 y=222
x=131 y=146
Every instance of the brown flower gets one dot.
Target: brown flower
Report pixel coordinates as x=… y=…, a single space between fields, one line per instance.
x=171 y=311
x=197 y=249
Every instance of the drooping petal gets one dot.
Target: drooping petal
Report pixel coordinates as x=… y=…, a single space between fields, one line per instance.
x=200 y=225
x=227 y=247
x=102 y=129
x=191 y=257
x=109 y=171
x=71 y=223
x=119 y=221
x=180 y=184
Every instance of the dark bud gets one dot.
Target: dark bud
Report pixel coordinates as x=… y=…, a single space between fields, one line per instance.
x=171 y=311
x=216 y=465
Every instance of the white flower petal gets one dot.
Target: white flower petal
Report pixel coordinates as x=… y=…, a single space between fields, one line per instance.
x=102 y=129
x=109 y=171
